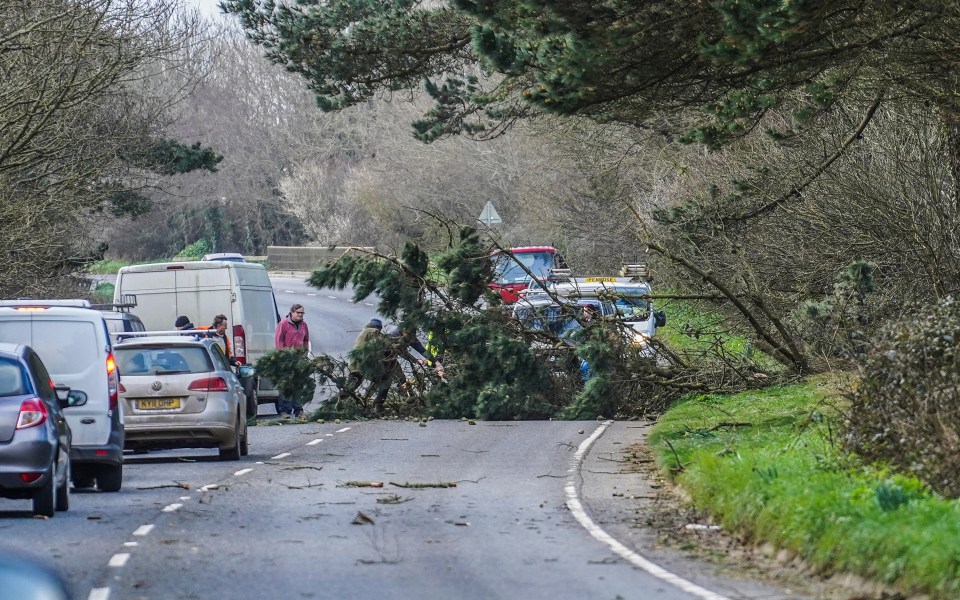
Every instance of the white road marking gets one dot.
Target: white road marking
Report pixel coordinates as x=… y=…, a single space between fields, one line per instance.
x=289 y=292
x=342 y=430
x=131 y=544
x=369 y=303
x=172 y=507
x=242 y=472
x=576 y=509
x=329 y=434
x=332 y=297
x=143 y=530
x=209 y=486
x=314 y=442
x=119 y=560
x=279 y=456
x=99 y=594
x=311 y=294
x=184 y=497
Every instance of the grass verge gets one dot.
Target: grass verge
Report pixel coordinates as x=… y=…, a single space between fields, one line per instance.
x=767 y=464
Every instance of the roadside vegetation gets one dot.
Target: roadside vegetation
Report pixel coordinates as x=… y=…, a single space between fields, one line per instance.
x=769 y=465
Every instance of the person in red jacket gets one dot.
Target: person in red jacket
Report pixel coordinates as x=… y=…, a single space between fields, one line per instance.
x=292 y=332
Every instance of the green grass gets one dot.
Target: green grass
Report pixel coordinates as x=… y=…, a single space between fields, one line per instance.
x=106 y=267
x=782 y=479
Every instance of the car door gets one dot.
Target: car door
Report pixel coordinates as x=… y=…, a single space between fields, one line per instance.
x=44 y=386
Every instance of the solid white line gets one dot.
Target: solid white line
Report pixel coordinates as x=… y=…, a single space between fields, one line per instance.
x=172 y=507
x=99 y=594
x=119 y=560
x=314 y=442
x=279 y=456
x=242 y=472
x=342 y=430
x=143 y=530
x=576 y=509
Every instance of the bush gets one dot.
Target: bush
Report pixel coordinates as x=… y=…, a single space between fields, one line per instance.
x=906 y=406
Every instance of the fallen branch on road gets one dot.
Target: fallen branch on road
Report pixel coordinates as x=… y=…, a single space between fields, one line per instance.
x=175 y=484
x=419 y=486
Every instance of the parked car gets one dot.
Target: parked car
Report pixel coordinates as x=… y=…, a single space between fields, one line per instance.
x=120 y=322
x=225 y=257
x=178 y=391
x=201 y=290
x=34 y=435
x=26 y=578
x=76 y=349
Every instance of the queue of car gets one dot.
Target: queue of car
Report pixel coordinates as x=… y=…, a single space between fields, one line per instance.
x=78 y=386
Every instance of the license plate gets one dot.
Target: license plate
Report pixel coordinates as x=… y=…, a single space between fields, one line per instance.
x=158 y=403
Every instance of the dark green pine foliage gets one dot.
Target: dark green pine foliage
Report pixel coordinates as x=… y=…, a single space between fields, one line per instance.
x=492 y=370
x=169 y=157
x=291 y=370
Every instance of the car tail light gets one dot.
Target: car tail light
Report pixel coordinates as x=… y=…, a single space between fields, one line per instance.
x=210 y=384
x=32 y=413
x=30 y=477
x=113 y=382
x=239 y=344
x=122 y=389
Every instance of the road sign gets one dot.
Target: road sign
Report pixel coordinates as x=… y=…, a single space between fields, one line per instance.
x=489 y=216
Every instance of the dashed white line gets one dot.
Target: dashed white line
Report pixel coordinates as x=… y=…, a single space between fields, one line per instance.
x=342 y=430
x=311 y=294
x=288 y=292
x=576 y=509
x=279 y=456
x=242 y=472
x=119 y=560
x=131 y=544
x=332 y=297
x=184 y=497
x=369 y=303
x=172 y=507
x=329 y=434
x=314 y=442
x=143 y=530
x=208 y=487
x=99 y=594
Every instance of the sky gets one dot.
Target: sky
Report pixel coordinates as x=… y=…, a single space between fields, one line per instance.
x=208 y=8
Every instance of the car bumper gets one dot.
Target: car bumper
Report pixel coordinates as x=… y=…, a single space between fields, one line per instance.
x=32 y=456
x=214 y=427
x=110 y=453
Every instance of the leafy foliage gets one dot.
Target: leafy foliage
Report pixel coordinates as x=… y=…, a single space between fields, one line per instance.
x=906 y=406
x=292 y=371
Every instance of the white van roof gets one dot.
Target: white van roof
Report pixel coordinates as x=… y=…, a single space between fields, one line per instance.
x=190 y=265
x=74 y=302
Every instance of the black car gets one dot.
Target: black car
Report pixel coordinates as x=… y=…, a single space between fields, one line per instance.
x=34 y=435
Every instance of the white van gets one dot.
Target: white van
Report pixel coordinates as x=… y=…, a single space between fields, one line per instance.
x=74 y=345
x=202 y=290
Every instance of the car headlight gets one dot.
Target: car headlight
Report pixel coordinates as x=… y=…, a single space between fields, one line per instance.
x=640 y=340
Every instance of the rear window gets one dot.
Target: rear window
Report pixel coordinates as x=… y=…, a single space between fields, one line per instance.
x=168 y=359
x=65 y=347
x=12 y=378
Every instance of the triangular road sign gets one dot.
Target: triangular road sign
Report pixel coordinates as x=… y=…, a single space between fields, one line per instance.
x=488 y=216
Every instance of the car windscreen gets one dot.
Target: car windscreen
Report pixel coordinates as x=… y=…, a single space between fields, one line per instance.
x=547 y=317
x=12 y=378
x=153 y=360
x=630 y=305
x=65 y=347
x=508 y=271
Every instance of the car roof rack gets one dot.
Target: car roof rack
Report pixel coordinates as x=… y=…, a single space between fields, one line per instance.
x=196 y=334
x=127 y=301
x=635 y=270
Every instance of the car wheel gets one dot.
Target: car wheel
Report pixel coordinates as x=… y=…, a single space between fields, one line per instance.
x=63 y=492
x=110 y=478
x=83 y=478
x=234 y=452
x=45 y=498
x=253 y=400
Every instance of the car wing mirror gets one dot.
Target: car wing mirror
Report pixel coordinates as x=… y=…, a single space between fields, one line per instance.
x=76 y=398
x=63 y=394
x=246 y=371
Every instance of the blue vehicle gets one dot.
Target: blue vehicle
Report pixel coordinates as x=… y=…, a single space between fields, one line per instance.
x=35 y=439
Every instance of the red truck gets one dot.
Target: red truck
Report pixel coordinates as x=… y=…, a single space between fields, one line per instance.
x=511 y=278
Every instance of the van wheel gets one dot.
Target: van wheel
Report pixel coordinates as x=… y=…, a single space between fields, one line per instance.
x=234 y=452
x=83 y=478
x=110 y=478
x=245 y=443
x=45 y=498
x=63 y=492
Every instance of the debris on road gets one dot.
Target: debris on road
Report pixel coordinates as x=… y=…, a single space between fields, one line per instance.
x=418 y=486
x=362 y=519
x=176 y=484
x=374 y=484
x=393 y=499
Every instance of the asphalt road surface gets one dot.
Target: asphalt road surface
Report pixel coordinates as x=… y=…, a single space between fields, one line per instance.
x=491 y=510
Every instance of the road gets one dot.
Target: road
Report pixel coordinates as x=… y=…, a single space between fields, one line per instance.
x=536 y=510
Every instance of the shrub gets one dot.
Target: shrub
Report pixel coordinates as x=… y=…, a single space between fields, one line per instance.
x=906 y=405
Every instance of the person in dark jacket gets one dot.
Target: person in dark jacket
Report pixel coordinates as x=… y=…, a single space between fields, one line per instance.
x=183 y=323
x=292 y=332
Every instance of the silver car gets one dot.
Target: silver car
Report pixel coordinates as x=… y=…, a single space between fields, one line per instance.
x=178 y=391
x=34 y=435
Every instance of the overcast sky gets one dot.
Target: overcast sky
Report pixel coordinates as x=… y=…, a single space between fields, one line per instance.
x=209 y=8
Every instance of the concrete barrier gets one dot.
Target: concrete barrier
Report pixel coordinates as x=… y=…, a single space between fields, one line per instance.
x=303 y=258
